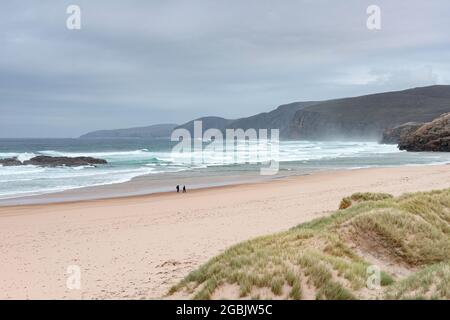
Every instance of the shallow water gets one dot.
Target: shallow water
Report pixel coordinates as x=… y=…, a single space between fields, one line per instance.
x=130 y=158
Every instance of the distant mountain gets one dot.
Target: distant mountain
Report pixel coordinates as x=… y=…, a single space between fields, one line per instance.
x=279 y=118
x=207 y=123
x=366 y=117
x=154 y=131
x=357 y=118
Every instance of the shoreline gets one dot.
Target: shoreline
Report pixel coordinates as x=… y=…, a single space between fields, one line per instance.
x=134 y=197
x=137 y=187
x=148 y=185
x=138 y=246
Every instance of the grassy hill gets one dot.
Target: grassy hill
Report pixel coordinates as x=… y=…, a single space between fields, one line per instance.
x=407 y=238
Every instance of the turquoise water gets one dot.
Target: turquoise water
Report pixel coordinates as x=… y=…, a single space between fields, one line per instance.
x=129 y=158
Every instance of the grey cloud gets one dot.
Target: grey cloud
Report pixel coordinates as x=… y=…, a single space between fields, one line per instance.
x=143 y=62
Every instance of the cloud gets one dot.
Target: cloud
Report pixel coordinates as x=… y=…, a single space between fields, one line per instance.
x=423 y=76
x=145 y=62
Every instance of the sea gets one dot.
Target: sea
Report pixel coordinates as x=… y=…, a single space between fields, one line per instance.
x=131 y=158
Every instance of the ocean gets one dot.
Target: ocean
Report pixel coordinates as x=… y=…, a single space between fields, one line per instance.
x=130 y=158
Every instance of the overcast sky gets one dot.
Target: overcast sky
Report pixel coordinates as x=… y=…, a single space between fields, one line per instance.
x=137 y=63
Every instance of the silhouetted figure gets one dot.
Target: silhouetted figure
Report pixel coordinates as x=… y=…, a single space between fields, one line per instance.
x=178 y=188
x=184 y=189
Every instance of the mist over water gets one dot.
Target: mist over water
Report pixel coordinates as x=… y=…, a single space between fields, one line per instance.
x=129 y=158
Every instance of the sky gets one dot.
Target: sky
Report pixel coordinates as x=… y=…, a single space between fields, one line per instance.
x=138 y=63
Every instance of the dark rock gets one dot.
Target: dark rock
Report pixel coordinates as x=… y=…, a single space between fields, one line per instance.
x=432 y=136
x=8 y=162
x=393 y=135
x=47 y=161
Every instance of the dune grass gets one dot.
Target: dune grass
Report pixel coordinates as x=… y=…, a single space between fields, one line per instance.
x=432 y=282
x=328 y=258
x=362 y=196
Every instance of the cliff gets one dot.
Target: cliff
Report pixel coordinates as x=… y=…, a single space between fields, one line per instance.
x=366 y=117
x=432 y=136
x=393 y=135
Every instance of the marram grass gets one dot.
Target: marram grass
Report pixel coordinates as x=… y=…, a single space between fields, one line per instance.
x=328 y=258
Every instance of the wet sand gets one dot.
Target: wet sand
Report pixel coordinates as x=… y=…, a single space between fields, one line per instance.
x=141 y=185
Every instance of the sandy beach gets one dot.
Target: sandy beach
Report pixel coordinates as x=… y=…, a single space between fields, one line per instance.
x=137 y=247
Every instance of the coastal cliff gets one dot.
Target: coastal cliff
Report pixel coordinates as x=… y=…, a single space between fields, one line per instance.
x=366 y=117
x=393 y=135
x=432 y=136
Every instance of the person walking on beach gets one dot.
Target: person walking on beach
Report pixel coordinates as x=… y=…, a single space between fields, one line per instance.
x=184 y=189
x=178 y=188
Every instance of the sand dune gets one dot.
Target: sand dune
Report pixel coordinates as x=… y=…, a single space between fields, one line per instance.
x=137 y=247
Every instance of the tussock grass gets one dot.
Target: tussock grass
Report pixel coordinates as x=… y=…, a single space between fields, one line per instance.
x=432 y=282
x=328 y=258
x=361 y=197
x=404 y=236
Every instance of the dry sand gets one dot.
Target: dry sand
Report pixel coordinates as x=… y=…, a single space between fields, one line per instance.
x=137 y=247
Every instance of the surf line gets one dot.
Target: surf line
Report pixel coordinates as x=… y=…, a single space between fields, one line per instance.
x=239 y=146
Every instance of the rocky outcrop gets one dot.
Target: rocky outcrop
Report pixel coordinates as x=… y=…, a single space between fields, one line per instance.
x=46 y=161
x=9 y=162
x=432 y=136
x=393 y=135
